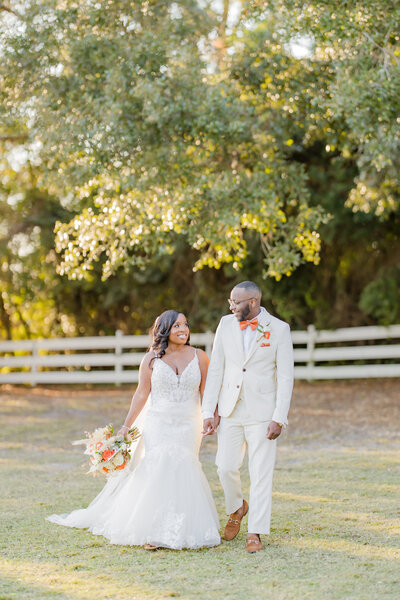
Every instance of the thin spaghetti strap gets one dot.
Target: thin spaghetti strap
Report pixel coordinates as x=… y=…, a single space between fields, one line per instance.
x=152 y=359
x=195 y=352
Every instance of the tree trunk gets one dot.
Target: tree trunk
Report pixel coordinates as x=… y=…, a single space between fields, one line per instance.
x=5 y=318
x=222 y=32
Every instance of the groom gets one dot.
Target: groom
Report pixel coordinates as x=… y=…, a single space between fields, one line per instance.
x=250 y=379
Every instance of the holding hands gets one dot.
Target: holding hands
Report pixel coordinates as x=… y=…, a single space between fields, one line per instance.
x=210 y=426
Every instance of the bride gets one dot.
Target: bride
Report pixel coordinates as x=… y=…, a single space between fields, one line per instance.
x=163 y=498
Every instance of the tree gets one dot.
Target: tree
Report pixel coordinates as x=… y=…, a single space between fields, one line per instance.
x=29 y=285
x=358 y=97
x=150 y=145
x=174 y=139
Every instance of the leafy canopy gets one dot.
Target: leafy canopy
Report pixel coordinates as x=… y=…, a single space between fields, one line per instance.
x=150 y=139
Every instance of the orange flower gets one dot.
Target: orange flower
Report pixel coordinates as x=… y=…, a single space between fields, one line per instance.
x=264 y=345
x=121 y=466
x=107 y=454
x=106 y=470
x=267 y=334
x=99 y=445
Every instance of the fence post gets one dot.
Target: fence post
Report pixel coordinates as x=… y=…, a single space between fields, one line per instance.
x=312 y=334
x=118 y=352
x=34 y=361
x=209 y=343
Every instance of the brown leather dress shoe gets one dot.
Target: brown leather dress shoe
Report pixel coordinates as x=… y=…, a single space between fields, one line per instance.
x=253 y=543
x=232 y=527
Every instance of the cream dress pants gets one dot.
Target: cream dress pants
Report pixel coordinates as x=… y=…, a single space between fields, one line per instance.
x=235 y=433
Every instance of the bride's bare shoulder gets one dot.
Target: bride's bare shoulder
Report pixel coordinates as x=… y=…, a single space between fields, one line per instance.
x=148 y=360
x=202 y=356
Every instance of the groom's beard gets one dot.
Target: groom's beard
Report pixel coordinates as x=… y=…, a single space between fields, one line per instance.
x=242 y=316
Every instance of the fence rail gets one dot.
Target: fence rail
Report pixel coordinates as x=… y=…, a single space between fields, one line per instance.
x=115 y=359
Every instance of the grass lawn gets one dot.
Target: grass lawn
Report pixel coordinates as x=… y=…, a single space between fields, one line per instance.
x=336 y=505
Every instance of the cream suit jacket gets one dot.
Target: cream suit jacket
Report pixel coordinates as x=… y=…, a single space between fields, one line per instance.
x=264 y=377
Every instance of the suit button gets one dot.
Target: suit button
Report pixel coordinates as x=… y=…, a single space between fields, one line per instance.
x=243 y=370
x=238 y=386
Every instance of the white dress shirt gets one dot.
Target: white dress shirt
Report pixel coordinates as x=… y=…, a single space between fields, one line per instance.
x=248 y=334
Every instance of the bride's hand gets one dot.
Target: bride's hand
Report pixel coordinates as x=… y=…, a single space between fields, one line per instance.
x=123 y=431
x=208 y=427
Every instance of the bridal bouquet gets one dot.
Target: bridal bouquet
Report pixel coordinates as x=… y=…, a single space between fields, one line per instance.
x=108 y=452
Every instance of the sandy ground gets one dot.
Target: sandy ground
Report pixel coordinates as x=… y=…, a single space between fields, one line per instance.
x=357 y=411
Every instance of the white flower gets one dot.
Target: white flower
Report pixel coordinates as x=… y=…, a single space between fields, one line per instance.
x=118 y=459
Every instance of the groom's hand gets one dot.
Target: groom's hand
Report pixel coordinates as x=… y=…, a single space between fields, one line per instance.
x=208 y=426
x=217 y=419
x=274 y=430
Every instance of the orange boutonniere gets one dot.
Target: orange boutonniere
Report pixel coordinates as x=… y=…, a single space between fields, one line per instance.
x=266 y=334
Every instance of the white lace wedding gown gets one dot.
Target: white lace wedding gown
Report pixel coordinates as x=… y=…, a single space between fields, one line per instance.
x=165 y=499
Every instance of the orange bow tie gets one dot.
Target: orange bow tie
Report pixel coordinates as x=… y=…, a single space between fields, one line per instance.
x=253 y=324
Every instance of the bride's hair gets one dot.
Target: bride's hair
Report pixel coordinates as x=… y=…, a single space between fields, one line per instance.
x=160 y=331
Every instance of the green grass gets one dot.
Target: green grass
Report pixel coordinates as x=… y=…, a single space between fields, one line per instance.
x=336 y=511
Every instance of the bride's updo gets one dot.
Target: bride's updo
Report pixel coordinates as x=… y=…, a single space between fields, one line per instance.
x=161 y=329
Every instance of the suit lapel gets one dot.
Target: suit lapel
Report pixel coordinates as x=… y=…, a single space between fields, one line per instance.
x=264 y=320
x=238 y=338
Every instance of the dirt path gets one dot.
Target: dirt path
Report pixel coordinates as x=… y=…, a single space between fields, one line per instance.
x=367 y=410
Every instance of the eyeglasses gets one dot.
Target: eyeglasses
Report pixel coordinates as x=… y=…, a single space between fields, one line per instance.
x=232 y=303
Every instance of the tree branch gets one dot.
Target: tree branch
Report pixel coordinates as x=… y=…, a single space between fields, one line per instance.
x=14 y=138
x=10 y=10
x=220 y=43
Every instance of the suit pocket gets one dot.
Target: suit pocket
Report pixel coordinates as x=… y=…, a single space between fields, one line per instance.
x=267 y=386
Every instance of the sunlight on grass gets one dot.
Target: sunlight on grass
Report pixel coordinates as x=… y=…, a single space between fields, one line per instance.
x=362 y=549
x=11 y=445
x=73 y=579
x=335 y=528
x=380 y=524
x=304 y=498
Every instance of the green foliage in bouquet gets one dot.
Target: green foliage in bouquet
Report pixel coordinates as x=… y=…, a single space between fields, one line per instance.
x=109 y=453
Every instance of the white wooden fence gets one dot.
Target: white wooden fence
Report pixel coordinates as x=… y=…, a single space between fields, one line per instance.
x=115 y=359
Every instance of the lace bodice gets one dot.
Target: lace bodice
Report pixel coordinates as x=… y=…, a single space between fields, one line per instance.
x=168 y=388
